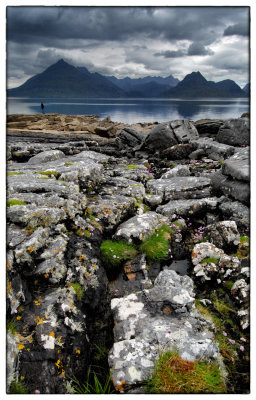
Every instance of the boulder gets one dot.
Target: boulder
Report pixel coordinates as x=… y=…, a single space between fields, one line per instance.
x=184 y=130
x=235 y=132
x=180 y=188
x=160 y=137
x=45 y=156
x=212 y=149
x=188 y=207
x=177 y=152
x=179 y=170
x=140 y=226
x=238 y=166
x=129 y=138
x=235 y=189
x=209 y=127
x=223 y=234
x=236 y=211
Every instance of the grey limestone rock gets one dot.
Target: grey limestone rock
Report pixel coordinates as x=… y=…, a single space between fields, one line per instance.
x=178 y=170
x=238 y=166
x=45 y=156
x=140 y=227
x=237 y=190
x=160 y=137
x=156 y=320
x=223 y=234
x=235 y=132
x=213 y=149
x=188 y=207
x=181 y=188
x=129 y=138
x=234 y=210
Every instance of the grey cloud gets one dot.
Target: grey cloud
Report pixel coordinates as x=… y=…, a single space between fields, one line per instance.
x=237 y=29
x=171 y=53
x=197 y=49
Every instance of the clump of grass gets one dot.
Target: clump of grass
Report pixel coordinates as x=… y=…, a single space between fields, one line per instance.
x=79 y=290
x=174 y=375
x=113 y=253
x=15 y=173
x=82 y=232
x=92 y=385
x=49 y=173
x=14 y=202
x=69 y=163
x=18 y=388
x=220 y=306
x=156 y=246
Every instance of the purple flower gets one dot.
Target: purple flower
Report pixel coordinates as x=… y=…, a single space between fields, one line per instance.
x=37 y=391
x=243 y=339
x=169 y=331
x=224 y=333
x=231 y=341
x=116 y=291
x=242 y=348
x=91 y=228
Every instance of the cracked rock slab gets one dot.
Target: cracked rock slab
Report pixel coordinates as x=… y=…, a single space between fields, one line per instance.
x=181 y=188
x=140 y=226
x=188 y=207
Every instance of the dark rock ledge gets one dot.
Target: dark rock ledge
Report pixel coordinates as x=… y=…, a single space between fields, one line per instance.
x=75 y=182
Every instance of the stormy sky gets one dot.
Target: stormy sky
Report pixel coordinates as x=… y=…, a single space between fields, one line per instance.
x=130 y=41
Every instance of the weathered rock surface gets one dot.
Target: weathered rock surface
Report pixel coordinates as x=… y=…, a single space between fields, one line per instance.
x=140 y=227
x=169 y=134
x=235 y=132
x=188 y=207
x=180 y=188
x=213 y=149
x=234 y=189
x=156 y=319
x=238 y=166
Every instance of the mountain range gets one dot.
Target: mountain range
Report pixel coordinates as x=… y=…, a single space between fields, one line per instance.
x=63 y=80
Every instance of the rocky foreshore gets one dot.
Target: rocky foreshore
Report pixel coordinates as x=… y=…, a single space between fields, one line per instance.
x=124 y=242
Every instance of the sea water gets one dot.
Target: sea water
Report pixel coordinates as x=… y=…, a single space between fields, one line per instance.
x=135 y=110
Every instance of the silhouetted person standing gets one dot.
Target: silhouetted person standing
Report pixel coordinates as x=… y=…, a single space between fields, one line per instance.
x=42 y=107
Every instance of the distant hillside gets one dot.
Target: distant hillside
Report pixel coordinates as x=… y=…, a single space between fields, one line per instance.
x=195 y=85
x=129 y=84
x=66 y=81
x=247 y=88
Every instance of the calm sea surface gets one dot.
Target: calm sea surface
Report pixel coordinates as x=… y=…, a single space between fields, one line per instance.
x=134 y=110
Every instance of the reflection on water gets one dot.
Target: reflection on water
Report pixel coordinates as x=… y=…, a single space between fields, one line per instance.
x=135 y=110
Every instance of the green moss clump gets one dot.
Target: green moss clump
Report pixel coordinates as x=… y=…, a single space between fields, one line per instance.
x=132 y=166
x=18 y=388
x=156 y=246
x=69 y=163
x=15 y=173
x=244 y=239
x=12 y=326
x=174 y=375
x=79 y=290
x=14 y=202
x=210 y=260
x=113 y=253
x=228 y=285
x=49 y=173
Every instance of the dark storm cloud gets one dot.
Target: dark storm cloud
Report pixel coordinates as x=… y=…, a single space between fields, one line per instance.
x=197 y=49
x=171 y=53
x=237 y=29
x=51 y=25
x=119 y=39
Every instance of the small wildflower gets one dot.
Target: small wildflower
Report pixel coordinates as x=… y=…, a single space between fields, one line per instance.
x=232 y=359
x=82 y=233
x=15 y=311
x=91 y=228
x=231 y=341
x=116 y=291
x=169 y=331
x=224 y=333
x=241 y=348
x=243 y=339
x=37 y=391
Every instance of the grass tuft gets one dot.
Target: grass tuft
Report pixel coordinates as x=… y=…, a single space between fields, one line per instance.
x=113 y=253
x=174 y=375
x=14 y=202
x=156 y=246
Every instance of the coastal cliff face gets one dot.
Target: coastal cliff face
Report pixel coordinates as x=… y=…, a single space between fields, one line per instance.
x=124 y=242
